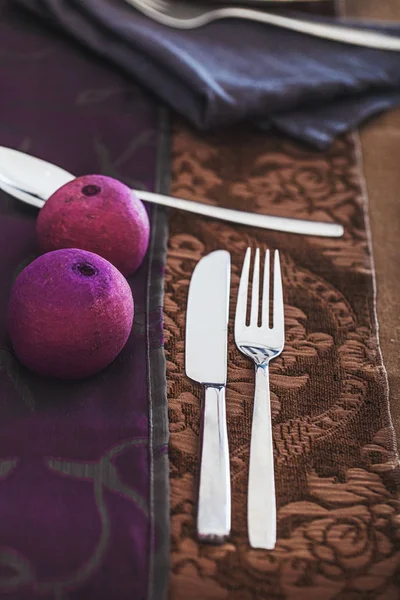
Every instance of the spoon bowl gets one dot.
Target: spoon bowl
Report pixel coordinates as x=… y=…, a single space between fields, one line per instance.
x=17 y=169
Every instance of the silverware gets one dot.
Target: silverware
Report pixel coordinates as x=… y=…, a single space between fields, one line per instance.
x=183 y=15
x=33 y=180
x=264 y=3
x=261 y=344
x=206 y=362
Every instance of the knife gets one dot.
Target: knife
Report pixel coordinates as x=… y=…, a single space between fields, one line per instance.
x=33 y=180
x=206 y=362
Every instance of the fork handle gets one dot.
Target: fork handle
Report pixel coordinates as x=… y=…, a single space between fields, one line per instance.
x=214 y=508
x=261 y=507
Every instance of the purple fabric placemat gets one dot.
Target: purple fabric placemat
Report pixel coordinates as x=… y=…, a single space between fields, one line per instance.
x=83 y=465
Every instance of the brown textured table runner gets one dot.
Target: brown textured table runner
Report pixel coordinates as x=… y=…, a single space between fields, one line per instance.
x=335 y=460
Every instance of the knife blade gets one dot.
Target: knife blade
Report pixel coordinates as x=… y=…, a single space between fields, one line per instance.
x=33 y=180
x=206 y=352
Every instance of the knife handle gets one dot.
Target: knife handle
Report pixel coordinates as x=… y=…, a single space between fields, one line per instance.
x=214 y=508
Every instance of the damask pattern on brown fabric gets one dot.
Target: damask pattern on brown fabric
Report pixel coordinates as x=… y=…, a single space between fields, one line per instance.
x=337 y=475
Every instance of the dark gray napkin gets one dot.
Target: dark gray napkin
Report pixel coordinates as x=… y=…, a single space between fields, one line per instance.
x=231 y=70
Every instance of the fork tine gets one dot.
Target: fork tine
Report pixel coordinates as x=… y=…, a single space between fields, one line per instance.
x=265 y=294
x=241 y=306
x=278 y=294
x=255 y=293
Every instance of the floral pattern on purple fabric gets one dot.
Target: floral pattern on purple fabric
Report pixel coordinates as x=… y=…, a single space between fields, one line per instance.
x=77 y=517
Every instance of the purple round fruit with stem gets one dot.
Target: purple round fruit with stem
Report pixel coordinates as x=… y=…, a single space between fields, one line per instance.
x=99 y=214
x=70 y=314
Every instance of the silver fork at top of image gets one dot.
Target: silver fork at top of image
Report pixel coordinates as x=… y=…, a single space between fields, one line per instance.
x=261 y=342
x=181 y=14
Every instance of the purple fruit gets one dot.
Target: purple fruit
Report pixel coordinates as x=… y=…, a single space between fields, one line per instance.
x=99 y=214
x=70 y=314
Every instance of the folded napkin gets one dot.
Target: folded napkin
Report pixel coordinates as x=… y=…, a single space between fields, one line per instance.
x=233 y=70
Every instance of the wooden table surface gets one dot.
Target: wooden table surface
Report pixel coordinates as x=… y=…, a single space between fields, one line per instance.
x=380 y=154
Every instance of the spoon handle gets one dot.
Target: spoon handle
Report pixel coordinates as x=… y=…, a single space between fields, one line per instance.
x=285 y=224
x=275 y=223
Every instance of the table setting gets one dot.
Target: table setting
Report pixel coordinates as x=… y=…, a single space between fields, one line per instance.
x=199 y=332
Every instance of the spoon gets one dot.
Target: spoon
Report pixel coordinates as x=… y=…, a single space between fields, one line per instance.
x=34 y=180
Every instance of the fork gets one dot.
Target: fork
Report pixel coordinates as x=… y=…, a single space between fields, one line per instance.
x=181 y=14
x=261 y=343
